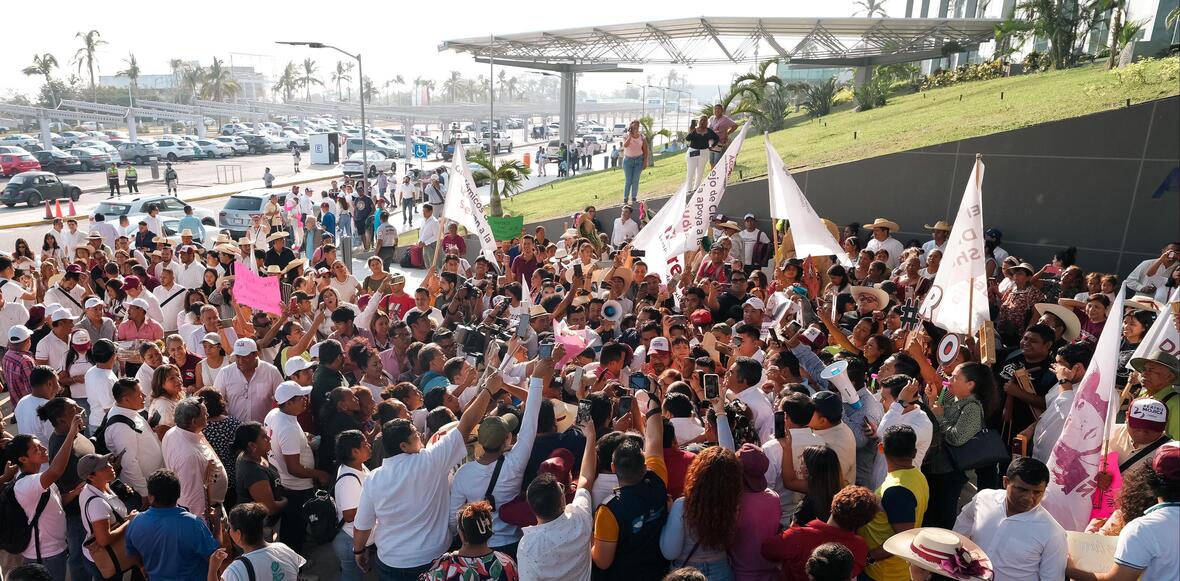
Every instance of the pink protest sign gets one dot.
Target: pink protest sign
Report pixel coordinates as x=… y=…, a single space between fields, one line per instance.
x=259 y=292
x=1104 y=502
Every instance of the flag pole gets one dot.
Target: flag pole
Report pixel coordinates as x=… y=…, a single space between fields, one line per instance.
x=971 y=287
x=442 y=226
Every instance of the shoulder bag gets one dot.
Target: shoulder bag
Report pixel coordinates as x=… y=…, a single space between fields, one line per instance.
x=112 y=559
x=985 y=448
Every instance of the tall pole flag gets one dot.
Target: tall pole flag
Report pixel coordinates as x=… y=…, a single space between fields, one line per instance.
x=464 y=206
x=1077 y=456
x=700 y=209
x=1162 y=335
x=957 y=301
x=659 y=236
x=787 y=202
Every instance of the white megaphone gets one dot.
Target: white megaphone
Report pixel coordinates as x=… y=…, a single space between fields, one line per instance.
x=612 y=311
x=837 y=375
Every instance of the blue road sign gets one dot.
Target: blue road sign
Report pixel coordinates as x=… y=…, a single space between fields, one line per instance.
x=420 y=150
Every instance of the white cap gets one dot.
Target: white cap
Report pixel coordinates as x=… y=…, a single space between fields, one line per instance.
x=289 y=389
x=295 y=365
x=659 y=344
x=80 y=337
x=315 y=350
x=93 y=302
x=213 y=338
x=18 y=333
x=245 y=347
x=755 y=302
x=61 y=315
x=138 y=302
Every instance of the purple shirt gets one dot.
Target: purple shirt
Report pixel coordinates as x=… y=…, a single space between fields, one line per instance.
x=760 y=513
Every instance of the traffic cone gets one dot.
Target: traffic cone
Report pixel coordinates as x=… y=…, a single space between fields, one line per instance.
x=57 y=204
x=48 y=211
x=74 y=213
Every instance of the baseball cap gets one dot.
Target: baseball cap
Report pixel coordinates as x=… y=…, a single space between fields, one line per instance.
x=295 y=365
x=754 y=302
x=827 y=404
x=288 y=389
x=18 y=333
x=213 y=338
x=245 y=347
x=80 y=337
x=73 y=269
x=138 y=302
x=1167 y=462
x=91 y=463
x=61 y=315
x=748 y=217
x=315 y=350
x=1147 y=414
x=130 y=281
x=494 y=431
x=701 y=317
x=659 y=344
x=93 y=302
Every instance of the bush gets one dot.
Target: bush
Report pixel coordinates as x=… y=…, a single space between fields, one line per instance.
x=873 y=94
x=992 y=69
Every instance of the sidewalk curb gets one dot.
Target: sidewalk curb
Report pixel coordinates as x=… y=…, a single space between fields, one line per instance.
x=197 y=198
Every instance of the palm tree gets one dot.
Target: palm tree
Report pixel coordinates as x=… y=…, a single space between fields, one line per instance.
x=418 y=82
x=452 y=85
x=429 y=84
x=503 y=79
x=398 y=80
x=1061 y=24
x=131 y=72
x=43 y=65
x=288 y=82
x=870 y=8
x=368 y=89
x=217 y=83
x=342 y=73
x=507 y=177
x=307 y=78
x=85 y=57
x=177 y=66
x=510 y=86
x=819 y=99
x=646 y=130
x=191 y=79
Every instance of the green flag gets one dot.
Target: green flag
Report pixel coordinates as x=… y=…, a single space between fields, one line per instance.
x=506 y=228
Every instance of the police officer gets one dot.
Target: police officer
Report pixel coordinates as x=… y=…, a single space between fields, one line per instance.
x=132 y=178
x=113 y=180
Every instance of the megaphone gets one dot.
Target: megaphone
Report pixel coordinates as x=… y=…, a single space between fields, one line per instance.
x=837 y=375
x=612 y=311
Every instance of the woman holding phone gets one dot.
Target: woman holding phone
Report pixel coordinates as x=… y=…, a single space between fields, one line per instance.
x=635 y=153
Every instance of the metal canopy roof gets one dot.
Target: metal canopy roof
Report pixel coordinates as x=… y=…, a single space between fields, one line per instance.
x=716 y=40
x=125 y=112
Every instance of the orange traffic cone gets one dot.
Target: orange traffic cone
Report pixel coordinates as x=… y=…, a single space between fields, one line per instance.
x=57 y=204
x=72 y=211
x=48 y=211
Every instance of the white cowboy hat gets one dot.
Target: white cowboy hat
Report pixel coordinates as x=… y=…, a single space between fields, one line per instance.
x=881 y=296
x=1073 y=326
x=883 y=223
x=941 y=551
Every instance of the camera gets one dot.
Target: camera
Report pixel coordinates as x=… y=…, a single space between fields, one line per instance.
x=475 y=339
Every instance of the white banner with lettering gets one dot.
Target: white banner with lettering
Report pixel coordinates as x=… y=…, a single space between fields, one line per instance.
x=659 y=236
x=697 y=218
x=464 y=206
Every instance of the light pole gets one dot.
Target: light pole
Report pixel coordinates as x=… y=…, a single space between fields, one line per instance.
x=680 y=92
x=360 y=71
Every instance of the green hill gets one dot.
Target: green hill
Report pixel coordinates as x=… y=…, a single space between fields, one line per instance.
x=907 y=122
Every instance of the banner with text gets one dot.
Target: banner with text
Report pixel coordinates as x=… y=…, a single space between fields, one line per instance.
x=1163 y=335
x=697 y=218
x=506 y=228
x=662 y=233
x=464 y=206
x=258 y=292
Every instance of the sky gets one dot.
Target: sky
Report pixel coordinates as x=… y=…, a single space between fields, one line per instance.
x=393 y=37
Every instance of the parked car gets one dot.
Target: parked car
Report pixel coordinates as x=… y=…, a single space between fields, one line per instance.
x=294 y=139
x=113 y=134
x=90 y=125
x=138 y=152
x=262 y=143
x=14 y=163
x=13 y=149
x=215 y=148
x=236 y=143
x=552 y=149
x=597 y=146
x=601 y=133
x=469 y=144
x=619 y=129
x=34 y=187
x=170 y=206
x=20 y=140
x=354 y=144
x=101 y=135
x=500 y=141
x=354 y=165
x=235 y=128
x=72 y=138
x=91 y=158
x=101 y=146
x=235 y=215
x=175 y=150
x=58 y=162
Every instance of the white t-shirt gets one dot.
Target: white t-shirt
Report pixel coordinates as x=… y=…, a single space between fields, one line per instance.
x=27 y=421
x=557 y=549
x=274 y=561
x=287 y=438
x=99 y=396
x=53 y=350
x=79 y=368
x=53 y=519
x=345 y=290
x=801 y=439
x=748 y=240
x=104 y=507
x=890 y=245
x=1149 y=543
x=349 y=483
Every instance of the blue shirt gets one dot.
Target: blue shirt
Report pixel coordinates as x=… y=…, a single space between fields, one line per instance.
x=192 y=223
x=431 y=380
x=173 y=544
x=329 y=222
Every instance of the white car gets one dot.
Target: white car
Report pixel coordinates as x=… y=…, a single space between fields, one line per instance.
x=20 y=140
x=552 y=150
x=354 y=165
x=72 y=138
x=100 y=135
x=270 y=127
x=294 y=139
x=137 y=207
x=218 y=148
x=103 y=147
x=174 y=150
x=619 y=130
x=238 y=144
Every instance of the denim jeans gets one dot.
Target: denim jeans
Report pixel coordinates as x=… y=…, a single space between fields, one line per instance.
x=387 y=573
x=342 y=545
x=712 y=570
x=56 y=565
x=632 y=169
x=75 y=536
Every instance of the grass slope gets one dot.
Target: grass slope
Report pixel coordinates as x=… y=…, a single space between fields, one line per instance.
x=907 y=122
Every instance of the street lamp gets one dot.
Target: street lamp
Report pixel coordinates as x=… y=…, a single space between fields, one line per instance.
x=364 y=124
x=677 y=101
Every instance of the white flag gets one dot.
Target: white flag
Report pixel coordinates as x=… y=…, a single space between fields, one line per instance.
x=1162 y=335
x=787 y=202
x=1077 y=455
x=698 y=214
x=464 y=206
x=957 y=301
x=661 y=233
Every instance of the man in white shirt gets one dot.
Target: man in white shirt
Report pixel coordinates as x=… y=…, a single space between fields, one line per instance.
x=52 y=348
x=434 y=192
x=248 y=384
x=188 y=454
x=555 y=548
x=169 y=298
x=939 y=232
x=99 y=381
x=882 y=240
x=827 y=423
x=1021 y=537
x=502 y=453
x=797 y=414
x=47 y=544
x=191 y=273
x=625 y=228
x=290 y=454
x=750 y=235
x=1140 y=281
x=68 y=292
x=128 y=434
x=1069 y=367
x=43 y=380
x=167 y=260
x=742 y=381
x=404 y=503
x=901 y=405
x=428 y=234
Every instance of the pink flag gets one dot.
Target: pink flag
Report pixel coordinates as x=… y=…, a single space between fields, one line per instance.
x=1077 y=456
x=259 y=292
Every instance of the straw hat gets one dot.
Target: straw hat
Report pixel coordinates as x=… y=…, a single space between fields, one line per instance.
x=273 y=269
x=729 y=224
x=626 y=274
x=186 y=232
x=1073 y=326
x=883 y=223
x=1024 y=266
x=1144 y=303
x=939 y=225
x=881 y=296
x=941 y=551
x=297 y=263
x=276 y=236
x=569 y=233
x=226 y=248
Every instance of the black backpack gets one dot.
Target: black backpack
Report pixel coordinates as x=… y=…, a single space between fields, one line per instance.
x=18 y=530
x=320 y=509
x=100 y=442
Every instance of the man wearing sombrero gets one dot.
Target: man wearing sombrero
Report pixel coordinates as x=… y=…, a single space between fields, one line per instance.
x=278 y=255
x=939 y=232
x=882 y=240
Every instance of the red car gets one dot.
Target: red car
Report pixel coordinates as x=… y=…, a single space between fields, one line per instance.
x=12 y=164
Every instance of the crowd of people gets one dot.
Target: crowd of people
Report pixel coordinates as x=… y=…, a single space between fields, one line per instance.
x=560 y=412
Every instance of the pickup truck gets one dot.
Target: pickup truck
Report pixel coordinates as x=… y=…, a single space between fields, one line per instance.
x=499 y=141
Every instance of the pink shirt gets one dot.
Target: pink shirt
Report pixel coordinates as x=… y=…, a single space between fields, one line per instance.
x=759 y=517
x=721 y=128
x=150 y=330
x=632 y=147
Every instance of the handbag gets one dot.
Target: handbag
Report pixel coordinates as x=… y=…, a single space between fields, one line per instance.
x=985 y=448
x=112 y=559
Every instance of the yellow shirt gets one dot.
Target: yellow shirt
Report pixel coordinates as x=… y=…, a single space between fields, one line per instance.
x=901 y=506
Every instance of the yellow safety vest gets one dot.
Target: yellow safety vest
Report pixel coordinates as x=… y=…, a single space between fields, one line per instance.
x=131 y=173
x=113 y=172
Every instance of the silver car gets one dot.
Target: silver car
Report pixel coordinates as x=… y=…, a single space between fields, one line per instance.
x=138 y=152
x=239 y=208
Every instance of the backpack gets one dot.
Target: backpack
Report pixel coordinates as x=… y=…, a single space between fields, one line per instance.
x=100 y=442
x=320 y=510
x=18 y=530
